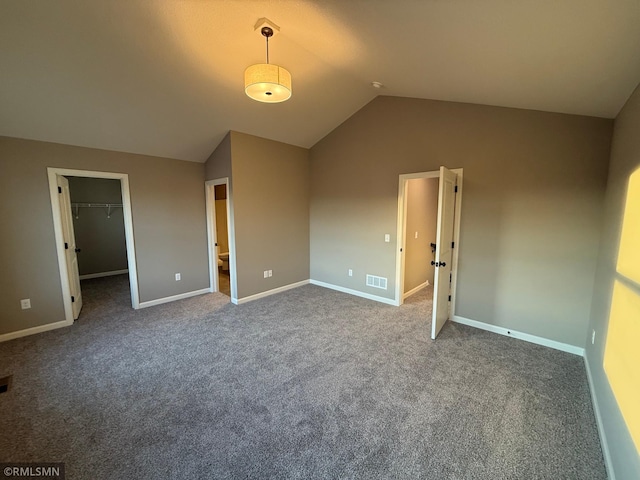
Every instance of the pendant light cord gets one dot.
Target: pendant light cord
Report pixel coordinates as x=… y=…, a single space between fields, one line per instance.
x=266 y=33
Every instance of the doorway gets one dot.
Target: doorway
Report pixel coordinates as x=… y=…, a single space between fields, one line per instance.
x=420 y=234
x=67 y=250
x=445 y=247
x=222 y=273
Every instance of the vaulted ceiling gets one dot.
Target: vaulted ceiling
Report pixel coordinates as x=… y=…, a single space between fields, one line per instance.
x=165 y=77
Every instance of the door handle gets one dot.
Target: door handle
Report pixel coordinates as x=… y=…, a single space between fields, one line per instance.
x=78 y=250
x=438 y=264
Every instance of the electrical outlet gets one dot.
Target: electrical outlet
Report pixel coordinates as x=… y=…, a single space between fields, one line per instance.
x=350 y=273
x=178 y=277
x=25 y=303
x=593 y=337
x=271 y=273
x=387 y=237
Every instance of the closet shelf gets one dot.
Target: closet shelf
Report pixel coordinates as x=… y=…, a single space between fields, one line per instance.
x=108 y=206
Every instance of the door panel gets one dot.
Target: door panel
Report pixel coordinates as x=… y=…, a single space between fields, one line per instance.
x=70 y=243
x=444 y=250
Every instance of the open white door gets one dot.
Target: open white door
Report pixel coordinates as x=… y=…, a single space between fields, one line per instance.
x=70 y=251
x=444 y=250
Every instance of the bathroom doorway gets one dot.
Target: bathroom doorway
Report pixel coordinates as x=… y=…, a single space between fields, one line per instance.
x=220 y=233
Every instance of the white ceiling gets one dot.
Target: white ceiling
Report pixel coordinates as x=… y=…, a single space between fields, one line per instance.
x=165 y=77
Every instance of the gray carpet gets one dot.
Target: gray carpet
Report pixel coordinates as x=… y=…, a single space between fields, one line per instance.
x=310 y=383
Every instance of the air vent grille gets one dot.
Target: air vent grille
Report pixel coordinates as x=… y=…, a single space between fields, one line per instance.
x=377 y=282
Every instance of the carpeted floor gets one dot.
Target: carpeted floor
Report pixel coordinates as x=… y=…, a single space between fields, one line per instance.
x=309 y=383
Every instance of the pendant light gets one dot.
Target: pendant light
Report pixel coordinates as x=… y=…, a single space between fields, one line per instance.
x=265 y=82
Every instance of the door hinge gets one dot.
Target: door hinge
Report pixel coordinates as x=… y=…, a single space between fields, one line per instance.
x=59 y=189
x=73 y=299
x=456 y=189
x=453 y=244
x=66 y=246
x=450 y=278
x=449 y=297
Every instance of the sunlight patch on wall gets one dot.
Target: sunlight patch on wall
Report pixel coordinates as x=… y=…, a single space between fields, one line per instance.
x=622 y=350
x=622 y=355
x=629 y=253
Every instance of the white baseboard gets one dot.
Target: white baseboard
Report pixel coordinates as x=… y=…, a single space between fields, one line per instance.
x=103 y=274
x=240 y=301
x=415 y=290
x=357 y=293
x=603 y=437
x=565 y=347
x=173 y=298
x=33 y=330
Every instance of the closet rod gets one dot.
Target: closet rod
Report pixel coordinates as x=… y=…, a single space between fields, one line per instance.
x=92 y=205
x=108 y=206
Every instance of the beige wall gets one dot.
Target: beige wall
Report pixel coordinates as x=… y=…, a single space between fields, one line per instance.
x=422 y=213
x=101 y=238
x=270 y=197
x=533 y=189
x=218 y=165
x=625 y=159
x=168 y=207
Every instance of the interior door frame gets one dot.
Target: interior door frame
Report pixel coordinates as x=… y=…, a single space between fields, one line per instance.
x=212 y=236
x=402 y=227
x=52 y=174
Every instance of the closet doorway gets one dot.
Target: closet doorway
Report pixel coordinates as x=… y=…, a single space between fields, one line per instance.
x=91 y=210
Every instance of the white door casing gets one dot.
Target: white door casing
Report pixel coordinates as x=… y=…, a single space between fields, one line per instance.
x=401 y=232
x=444 y=250
x=212 y=237
x=70 y=251
x=53 y=173
x=213 y=240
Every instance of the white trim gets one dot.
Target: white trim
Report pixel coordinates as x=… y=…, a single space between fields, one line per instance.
x=240 y=301
x=565 y=347
x=357 y=293
x=103 y=274
x=52 y=173
x=415 y=290
x=173 y=298
x=603 y=437
x=212 y=235
x=33 y=330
